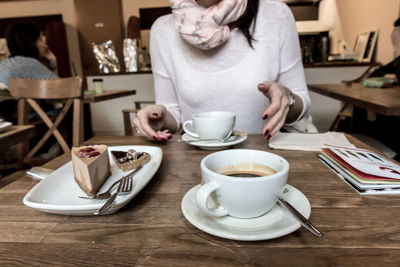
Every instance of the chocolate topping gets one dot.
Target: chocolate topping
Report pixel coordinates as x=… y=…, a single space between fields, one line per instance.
x=123 y=156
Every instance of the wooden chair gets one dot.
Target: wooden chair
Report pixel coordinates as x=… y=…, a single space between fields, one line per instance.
x=65 y=90
x=347 y=109
x=128 y=127
x=345 y=112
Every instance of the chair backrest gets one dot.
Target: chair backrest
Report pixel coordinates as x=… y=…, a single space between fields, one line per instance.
x=29 y=90
x=128 y=126
x=46 y=88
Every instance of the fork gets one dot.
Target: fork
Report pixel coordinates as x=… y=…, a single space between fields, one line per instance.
x=107 y=193
x=125 y=186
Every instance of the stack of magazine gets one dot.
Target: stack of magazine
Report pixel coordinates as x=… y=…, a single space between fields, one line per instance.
x=364 y=170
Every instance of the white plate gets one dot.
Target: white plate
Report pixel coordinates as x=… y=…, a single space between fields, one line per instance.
x=4 y=125
x=275 y=223
x=59 y=193
x=214 y=145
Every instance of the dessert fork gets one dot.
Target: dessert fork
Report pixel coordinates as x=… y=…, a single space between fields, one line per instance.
x=107 y=194
x=125 y=186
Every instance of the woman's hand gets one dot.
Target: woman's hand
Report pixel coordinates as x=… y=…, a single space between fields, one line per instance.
x=45 y=53
x=278 y=110
x=150 y=120
x=51 y=58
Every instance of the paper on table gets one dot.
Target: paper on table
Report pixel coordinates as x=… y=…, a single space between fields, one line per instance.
x=308 y=142
x=367 y=162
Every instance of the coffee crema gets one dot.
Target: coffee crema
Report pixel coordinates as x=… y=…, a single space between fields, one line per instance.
x=246 y=170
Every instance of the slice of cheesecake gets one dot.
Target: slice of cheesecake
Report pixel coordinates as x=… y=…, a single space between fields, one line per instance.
x=91 y=167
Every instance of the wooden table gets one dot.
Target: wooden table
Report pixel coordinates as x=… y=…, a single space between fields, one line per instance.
x=16 y=134
x=151 y=230
x=385 y=101
x=79 y=127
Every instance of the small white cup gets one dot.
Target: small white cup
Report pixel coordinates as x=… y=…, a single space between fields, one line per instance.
x=210 y=125
x=238 y=196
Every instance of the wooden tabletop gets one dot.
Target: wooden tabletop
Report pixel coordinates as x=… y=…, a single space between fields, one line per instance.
x=385 y=101
x=152 y=231
x=106 y=95
x=16 y=134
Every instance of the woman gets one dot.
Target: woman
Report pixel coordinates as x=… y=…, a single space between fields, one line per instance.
x=30 y=55
x=30 y=58
x=214 y=55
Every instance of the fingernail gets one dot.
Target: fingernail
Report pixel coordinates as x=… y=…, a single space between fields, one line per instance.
x=155 y=137
x=155 y=114
x=266 y=132
x=167 y=131
x=164 y=139
x=269 y=137
x=169 y=137
x=265 y=117
x=261 y=85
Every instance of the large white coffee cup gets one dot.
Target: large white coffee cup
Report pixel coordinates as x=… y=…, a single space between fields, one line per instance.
x=210 y=125
x=241 y=197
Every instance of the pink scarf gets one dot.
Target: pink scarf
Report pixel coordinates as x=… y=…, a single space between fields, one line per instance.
x=206 y=28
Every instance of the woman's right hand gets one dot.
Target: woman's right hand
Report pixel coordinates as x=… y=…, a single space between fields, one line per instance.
x=51 y=58
x=150 y=120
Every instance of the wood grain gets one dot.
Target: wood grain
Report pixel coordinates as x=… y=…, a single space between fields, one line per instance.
x=107 y=95
x=385 y=101
x=16 y=134
x=152 y=231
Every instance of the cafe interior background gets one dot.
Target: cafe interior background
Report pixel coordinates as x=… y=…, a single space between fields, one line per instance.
x=326 y=27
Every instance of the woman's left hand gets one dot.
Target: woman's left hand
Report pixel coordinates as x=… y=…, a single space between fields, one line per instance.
x=51 y=58
x=278 y=109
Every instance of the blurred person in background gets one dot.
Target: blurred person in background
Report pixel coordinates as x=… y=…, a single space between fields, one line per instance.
x=30 y=58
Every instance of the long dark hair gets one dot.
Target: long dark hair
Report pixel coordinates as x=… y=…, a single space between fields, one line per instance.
x=397 y=23
x=21 y=40
x=245 y=21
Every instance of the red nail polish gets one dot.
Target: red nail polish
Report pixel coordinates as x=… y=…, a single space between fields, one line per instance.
x=169 y=137
x=155 y=137
x=269 y=137
x=265 y=117
x=164 y=139
x=266 y=132
x=155 y=114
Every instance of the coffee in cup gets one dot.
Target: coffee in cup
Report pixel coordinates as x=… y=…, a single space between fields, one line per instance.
x=210 y=125
x=246 y=170
x=245 y=183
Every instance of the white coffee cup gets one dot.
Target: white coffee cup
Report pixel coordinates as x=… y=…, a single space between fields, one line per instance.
x=241 y=197
x=210 y=125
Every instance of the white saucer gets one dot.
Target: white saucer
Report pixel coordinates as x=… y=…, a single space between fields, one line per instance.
x=4 y=125
x=275 y=223
x=214 y=145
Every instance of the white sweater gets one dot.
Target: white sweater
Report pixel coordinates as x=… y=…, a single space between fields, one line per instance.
x=189 y=80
